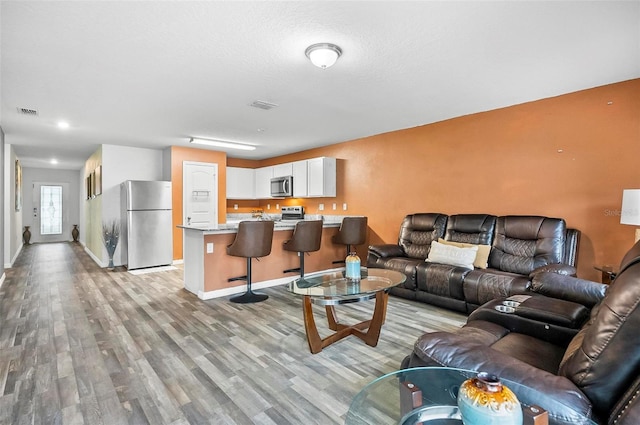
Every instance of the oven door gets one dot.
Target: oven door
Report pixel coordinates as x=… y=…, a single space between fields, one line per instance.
x=282 y=186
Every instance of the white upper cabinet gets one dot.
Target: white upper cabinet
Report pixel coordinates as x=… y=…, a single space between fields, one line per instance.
x=300 y=179
x=263 y=182
x=283 y=170
x=241 y=183
x=321 y=177
x=314 y=177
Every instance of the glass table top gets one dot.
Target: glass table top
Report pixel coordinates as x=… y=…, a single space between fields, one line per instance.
x=335 y=285
x=383 y=401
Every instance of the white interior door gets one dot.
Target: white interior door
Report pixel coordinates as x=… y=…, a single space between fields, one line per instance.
x=50 y=215
x=200 y=194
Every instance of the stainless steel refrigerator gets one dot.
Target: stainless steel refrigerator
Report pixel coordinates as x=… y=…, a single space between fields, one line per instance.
x=147 y=230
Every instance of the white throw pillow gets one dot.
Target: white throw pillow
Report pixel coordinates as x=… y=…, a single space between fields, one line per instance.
x=452 y=255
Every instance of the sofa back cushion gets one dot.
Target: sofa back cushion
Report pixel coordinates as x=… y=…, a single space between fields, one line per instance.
x=476 y=229
x=603 y=359
x=418 y=231
x=524 y=243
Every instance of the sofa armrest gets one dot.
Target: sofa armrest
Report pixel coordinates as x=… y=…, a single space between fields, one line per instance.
x=562 y=269
x=386 y=250
x=549 y=319
x=568 y=288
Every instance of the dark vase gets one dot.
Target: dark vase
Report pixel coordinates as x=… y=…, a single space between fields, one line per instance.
x=26 y=235
x=75 y=233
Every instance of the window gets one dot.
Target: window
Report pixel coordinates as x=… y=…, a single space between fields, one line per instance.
x=51 y=210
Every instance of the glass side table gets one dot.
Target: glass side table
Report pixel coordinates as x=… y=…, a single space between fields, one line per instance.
x=428 y=396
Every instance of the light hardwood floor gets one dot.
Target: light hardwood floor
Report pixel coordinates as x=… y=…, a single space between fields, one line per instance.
x=82 y=345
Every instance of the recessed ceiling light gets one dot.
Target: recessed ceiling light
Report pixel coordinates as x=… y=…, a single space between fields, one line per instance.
x=53 y=161
x=222 y=144
x=63 y=124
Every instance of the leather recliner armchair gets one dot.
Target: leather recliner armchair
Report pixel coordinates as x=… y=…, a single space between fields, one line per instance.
x=593 y=370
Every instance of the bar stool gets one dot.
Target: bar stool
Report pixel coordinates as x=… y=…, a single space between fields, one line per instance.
x=307 y=236
x=253 y=240
x=353 y=231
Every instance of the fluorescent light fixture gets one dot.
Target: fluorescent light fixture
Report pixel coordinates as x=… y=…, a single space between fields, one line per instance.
x=222 y=144
x=63 y=125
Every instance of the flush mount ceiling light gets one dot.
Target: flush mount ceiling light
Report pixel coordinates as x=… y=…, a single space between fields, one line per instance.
x=63 y=125
x=323 y=55
x=222 y=144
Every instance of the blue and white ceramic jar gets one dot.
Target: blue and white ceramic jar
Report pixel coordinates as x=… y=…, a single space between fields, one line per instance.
x=483 y=400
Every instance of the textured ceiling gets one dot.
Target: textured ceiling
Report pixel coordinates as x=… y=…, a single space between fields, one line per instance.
x=154 y=73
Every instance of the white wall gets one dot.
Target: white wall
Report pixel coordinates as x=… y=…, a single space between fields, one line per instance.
x=12 y=218
x=2 y=210
x=70 y=206
x=120 y=163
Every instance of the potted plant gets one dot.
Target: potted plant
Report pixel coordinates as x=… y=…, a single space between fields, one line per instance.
x=110 y=236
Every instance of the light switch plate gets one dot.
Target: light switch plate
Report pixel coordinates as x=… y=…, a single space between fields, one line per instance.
x=344 y=206
x=209 y=247
x=320 y=207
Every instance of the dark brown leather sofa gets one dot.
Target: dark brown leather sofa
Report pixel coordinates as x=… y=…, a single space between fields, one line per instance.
x=521 y=246
x=594 y=370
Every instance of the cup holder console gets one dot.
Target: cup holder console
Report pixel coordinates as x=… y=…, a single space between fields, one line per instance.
x=507 y=306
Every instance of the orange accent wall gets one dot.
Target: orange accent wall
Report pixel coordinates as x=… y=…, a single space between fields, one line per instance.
x=568 y=156
x=178 y=155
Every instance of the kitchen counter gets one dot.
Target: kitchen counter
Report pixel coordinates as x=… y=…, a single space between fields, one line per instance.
x=232 y=226
x=207 y=267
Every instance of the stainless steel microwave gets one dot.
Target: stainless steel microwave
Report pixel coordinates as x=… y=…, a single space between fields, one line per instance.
x=282 y=186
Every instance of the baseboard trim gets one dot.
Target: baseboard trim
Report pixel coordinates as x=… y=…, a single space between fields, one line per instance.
x=93 y=257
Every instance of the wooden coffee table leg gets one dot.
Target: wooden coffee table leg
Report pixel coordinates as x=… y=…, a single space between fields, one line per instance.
x=370 y=337
x=380 y=310
x=313 y=337
x=332 y=318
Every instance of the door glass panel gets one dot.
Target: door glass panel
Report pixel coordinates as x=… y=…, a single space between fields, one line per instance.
x=50 y=210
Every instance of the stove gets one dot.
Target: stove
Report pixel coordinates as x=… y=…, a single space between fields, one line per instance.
x=292 y=213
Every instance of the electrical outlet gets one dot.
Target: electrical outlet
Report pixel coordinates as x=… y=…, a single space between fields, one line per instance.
x=334 y=206
x=320 y=207
x=268 y=206
x=277 y=206
x=344 y=206
x=235 y=206
x=209 y=247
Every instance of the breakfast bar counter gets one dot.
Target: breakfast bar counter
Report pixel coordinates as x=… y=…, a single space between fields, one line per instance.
x=207 y=267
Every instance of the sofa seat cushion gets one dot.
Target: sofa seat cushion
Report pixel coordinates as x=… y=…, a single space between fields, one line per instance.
x=441 y=279
x=406 y=266
x=537 y=353
x=481 y=286
x=473 y=347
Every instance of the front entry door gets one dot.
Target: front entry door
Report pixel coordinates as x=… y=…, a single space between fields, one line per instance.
x=200 y=194
x=50 y=212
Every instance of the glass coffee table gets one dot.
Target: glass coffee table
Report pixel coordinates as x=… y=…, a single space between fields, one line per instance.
x=332 y=288
x=428 y=396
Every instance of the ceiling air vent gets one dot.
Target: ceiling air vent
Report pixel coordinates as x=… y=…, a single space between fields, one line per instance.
x=261 y=104
x=27 y=111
